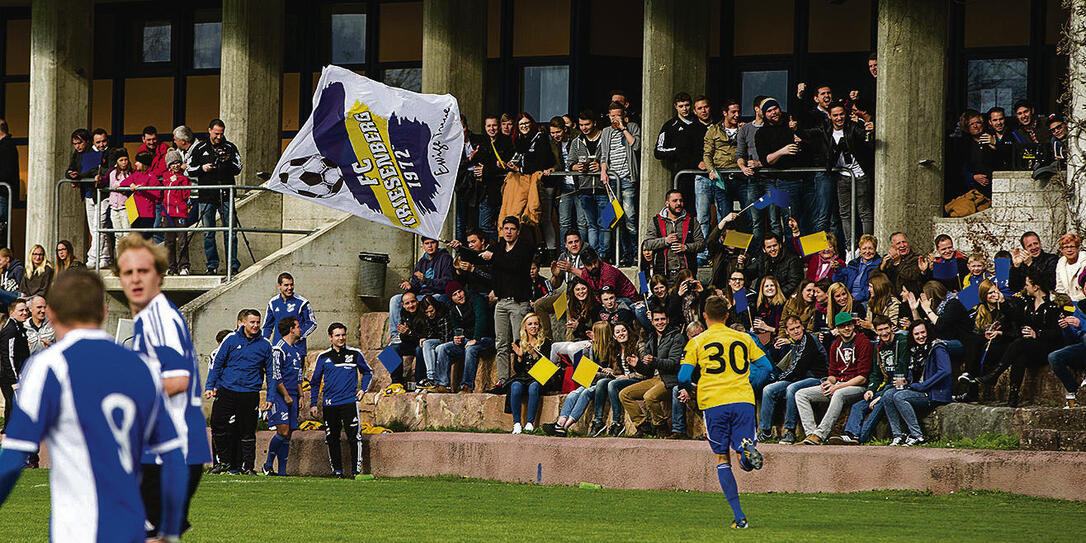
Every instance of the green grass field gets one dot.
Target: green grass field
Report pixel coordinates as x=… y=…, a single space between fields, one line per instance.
x=238 y=508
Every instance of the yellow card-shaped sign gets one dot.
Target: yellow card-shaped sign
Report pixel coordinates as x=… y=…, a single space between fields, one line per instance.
x=131 y=209
x=585 y=372
x=560 y=305
x=737 y=239
x=812 y=243
x=615 y=205
x=543 y=370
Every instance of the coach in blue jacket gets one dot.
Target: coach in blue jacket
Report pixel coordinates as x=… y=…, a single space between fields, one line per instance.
x=339 y=368
x=234 y=379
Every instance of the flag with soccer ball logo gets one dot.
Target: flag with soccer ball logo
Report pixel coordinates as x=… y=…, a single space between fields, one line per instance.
x=384 y=154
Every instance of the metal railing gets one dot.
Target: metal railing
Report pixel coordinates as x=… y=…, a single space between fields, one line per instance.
x=767 y=173
x=231 y=228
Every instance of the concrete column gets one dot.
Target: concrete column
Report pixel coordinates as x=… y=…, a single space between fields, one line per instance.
x=674 y=59
x=454 y=61
x=60 y=76
x=250 y=95
x=909 y=167
x=1076 y=121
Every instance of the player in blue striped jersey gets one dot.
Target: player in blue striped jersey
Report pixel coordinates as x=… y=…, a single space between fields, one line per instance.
x=287 y=304
x=339 y=368
x=285 y=379
x=98 y=406
x=162 y=334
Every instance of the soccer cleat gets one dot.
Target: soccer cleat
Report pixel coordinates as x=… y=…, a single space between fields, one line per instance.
x=788 y=438
x=266 y=470
x=749 y=457
x=516 y=428
x=336 y=474
x=897 y=441
x=217 y=469
x=812 y=439
x=913 y=441
x=741 y=524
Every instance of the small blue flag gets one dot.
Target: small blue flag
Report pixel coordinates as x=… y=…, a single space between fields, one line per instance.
x=969 y=296
x=1003 y=273
x=607 y=217
x=390 y=359
x=945 y=269
x=740 y=300
x=643 y=278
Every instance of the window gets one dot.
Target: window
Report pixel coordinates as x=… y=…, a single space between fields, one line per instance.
x=157 y=41
x=995 y=82
x=207 y=45
x=348 y=38
x=546 y=91
x=404 y=78
x=763 y=83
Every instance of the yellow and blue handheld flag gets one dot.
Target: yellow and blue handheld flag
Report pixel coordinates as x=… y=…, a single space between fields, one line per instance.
x=543 y=370
x=813 y=243
x=737 y=239
x=560 y=304
x=585 y=372
x=612 y=214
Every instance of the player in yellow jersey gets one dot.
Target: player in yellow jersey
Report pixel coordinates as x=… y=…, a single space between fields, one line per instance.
x=729 y=360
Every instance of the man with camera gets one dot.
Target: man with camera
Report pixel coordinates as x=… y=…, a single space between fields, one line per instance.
x=215 y=162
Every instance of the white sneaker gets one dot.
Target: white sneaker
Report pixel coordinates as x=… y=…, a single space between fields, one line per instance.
x=913 y=441
x=184 y=271
x=897 y=441
x=516 y=427
x=528 y=427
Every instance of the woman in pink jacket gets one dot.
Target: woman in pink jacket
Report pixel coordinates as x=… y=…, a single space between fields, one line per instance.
x=145 y=199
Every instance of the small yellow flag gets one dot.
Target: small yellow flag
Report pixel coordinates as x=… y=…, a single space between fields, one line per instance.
x=585 y=372
x=812 y=243
x=543 y=370
x=617 y=207
x=131 y=209
x=560 y=305
x=737 y=239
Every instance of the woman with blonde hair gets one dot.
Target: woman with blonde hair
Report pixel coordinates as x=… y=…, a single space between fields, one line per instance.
x=986 y=343
x=526 y=352
x=767 y=308
x=1070 y=265
x=39 y=274
x=603 y=352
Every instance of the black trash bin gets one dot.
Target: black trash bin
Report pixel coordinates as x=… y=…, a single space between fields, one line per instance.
x=371 y=274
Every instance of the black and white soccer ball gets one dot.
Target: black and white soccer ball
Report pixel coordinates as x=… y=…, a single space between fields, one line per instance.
x=313 y=176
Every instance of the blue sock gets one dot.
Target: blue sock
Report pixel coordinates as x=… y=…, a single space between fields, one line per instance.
x=273 y=448
x=731 y=490
x=284 y=450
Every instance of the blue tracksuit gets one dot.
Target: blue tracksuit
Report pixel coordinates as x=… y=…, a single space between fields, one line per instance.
x=339 y=371
x=240 y=363
x=287 y=361
x=279 y=309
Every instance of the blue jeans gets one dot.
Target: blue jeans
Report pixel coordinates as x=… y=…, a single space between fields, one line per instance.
x=395 y=308
x=708 y=194
x=756 y=188
x=211 y=252
x=822 y=208
x=570 y=214
x=488 y=218
x=516 y=393
x=576 y=403
x=599 y=235
x=797 y=196
x=427 y=350
x=678 y=412
x=608 y=391
x=160 y=221
x=863 y=418
x=773 y=392
x=469 y=353
x=901 y=406
x=1062 y=360
x=627 y=192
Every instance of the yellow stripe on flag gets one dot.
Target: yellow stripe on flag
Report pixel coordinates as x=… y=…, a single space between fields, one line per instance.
x=543 y=370
x=737 y=239
x=615 y=205
x=813 y=243
x=131 y=209
x=585 y=372
x=560 y=305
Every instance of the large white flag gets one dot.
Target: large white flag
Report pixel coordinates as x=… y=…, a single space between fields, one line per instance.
x=384 y=154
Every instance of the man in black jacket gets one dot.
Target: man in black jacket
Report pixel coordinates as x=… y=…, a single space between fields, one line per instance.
x=495 y=149
x=842 y=143
x=775 y=260
x=663 y=352
x=1032 y=258
x=679 y=145
x=215 y=162
x=510 y=261
x=776 y=143
x=14 y=350
x=9 y=172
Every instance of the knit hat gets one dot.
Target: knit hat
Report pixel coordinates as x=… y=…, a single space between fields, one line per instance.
x=145 y=158
x=172 y=156
x=453 y=286
x=767 y=104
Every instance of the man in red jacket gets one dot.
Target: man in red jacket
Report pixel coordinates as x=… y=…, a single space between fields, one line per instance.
x=850 y=363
